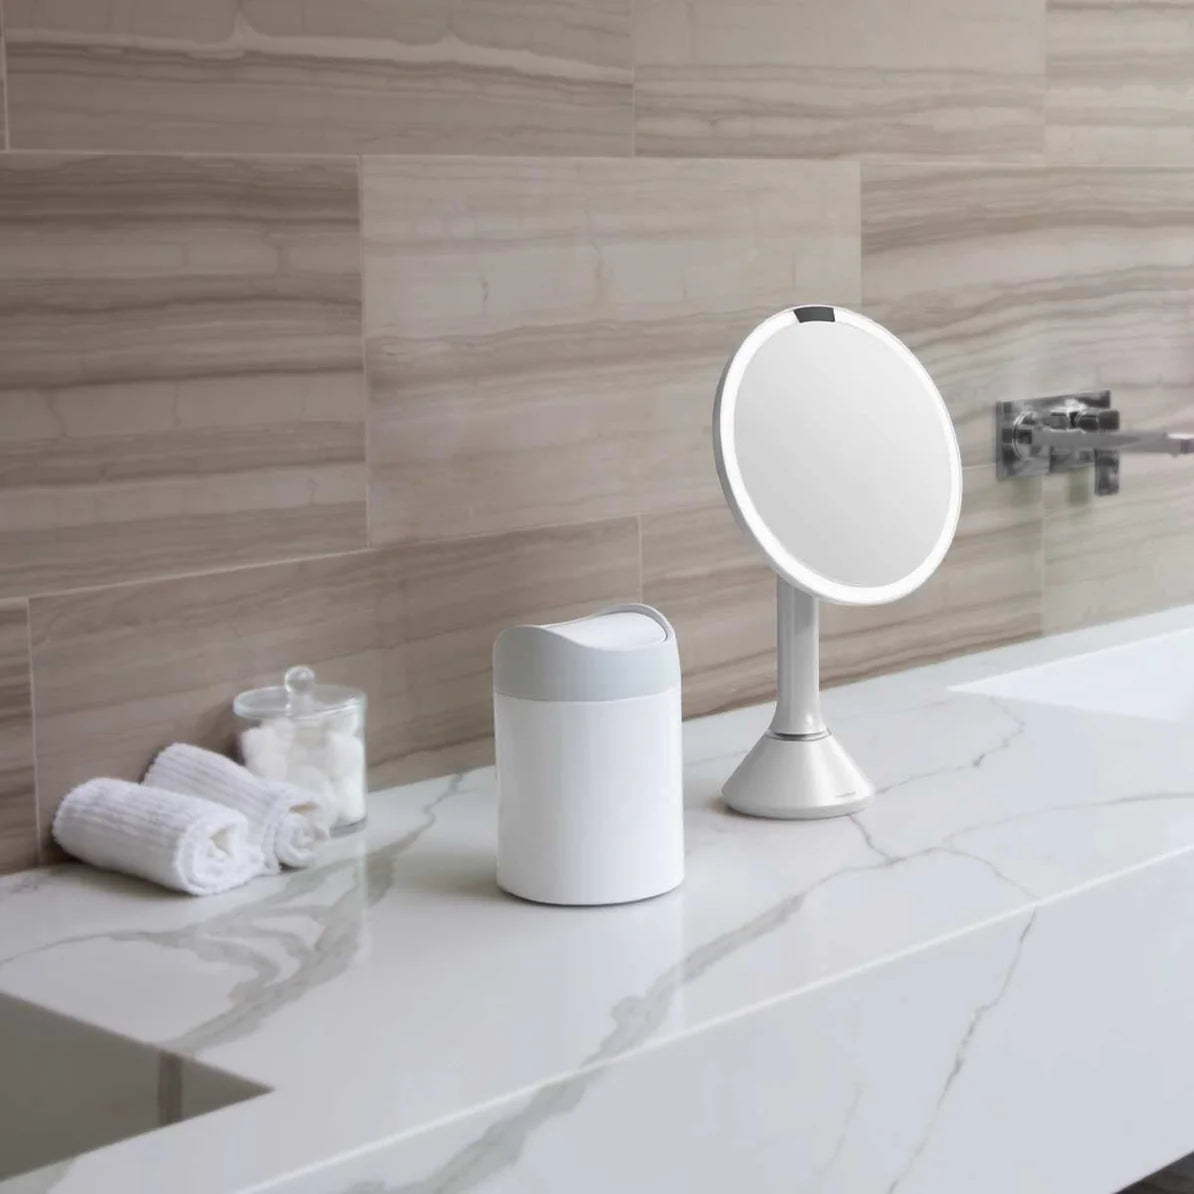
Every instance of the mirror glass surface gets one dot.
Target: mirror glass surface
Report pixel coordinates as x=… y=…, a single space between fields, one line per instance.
x=838 y=456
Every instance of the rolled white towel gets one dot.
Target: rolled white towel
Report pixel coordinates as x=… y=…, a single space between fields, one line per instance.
x=178 y=841
x=286 y=823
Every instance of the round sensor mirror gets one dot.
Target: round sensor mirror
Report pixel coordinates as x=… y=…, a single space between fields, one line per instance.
x=838 y=457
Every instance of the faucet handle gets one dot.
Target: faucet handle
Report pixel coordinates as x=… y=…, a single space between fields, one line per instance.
x=1097 y=419
x=1106 y=472
x=1106 y=463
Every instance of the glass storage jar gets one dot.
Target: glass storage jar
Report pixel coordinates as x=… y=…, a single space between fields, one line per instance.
x=311 y=735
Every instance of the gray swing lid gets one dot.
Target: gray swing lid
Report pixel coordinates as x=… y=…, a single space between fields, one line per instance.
x=626 y=651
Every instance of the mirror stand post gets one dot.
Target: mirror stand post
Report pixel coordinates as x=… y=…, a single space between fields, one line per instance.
x=798 y=769
x=797 y=663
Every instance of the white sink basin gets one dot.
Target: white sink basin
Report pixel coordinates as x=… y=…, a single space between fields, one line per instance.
x=1151 y=678
x=67 y=1087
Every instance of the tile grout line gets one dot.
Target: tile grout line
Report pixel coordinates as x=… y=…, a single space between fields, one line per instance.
x=4 y=81
x=944 y=164
x=196 y=573
x=366 y=390
x=348 y=553
x=862 y=270
x=248 y=155
x=633 y=78
x=859 y=191
x=642 y=580
x=37 y=834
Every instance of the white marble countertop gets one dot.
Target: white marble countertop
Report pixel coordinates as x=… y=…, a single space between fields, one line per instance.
x=421 y=1031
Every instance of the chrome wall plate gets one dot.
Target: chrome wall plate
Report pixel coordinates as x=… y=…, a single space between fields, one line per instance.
x=1013 y=455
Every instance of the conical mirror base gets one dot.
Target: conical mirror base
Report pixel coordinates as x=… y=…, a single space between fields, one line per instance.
x=797 y=778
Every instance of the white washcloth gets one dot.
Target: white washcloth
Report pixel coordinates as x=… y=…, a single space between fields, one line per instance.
x=178 y=841
x=286 y=823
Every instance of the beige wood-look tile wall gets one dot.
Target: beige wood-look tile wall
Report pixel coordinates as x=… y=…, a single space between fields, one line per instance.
x=720 y=594
x=348 y=332
x=3 y=87
x=1040 y=280
x=180 y=365
x=853 y=78
x=1120 y=82
x=18 y=806
x=543 y=334
x=334 y=76
x=122 y=671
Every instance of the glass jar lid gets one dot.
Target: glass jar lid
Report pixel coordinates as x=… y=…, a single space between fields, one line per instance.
x=298 y=696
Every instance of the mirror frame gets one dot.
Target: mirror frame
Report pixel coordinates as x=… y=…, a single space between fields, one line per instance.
x=737 y=495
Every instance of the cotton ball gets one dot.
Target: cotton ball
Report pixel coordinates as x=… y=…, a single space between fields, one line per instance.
x=344 y=755
x=263 y=754
x=301 y=755
x=350 y=793
x=309 y=732
x=311 y=779
x=276 y=734
x=255 y=741
x=270 y=765
x=282 y=728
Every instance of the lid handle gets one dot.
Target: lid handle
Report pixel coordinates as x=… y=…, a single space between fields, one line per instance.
x=300 y=690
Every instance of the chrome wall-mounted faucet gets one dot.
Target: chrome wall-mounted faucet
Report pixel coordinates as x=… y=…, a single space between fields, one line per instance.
x=1073 y=431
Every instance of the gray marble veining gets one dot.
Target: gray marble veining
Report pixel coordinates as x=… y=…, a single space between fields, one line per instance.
x=978 y=1016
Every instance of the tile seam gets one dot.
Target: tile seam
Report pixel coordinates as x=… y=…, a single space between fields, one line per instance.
x=37 y=826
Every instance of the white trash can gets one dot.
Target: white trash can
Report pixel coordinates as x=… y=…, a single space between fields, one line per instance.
x=589 y=758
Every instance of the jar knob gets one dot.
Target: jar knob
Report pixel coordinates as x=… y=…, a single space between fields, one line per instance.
x=300 y=689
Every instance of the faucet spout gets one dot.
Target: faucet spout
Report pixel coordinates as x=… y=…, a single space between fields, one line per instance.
x=1163 y=443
